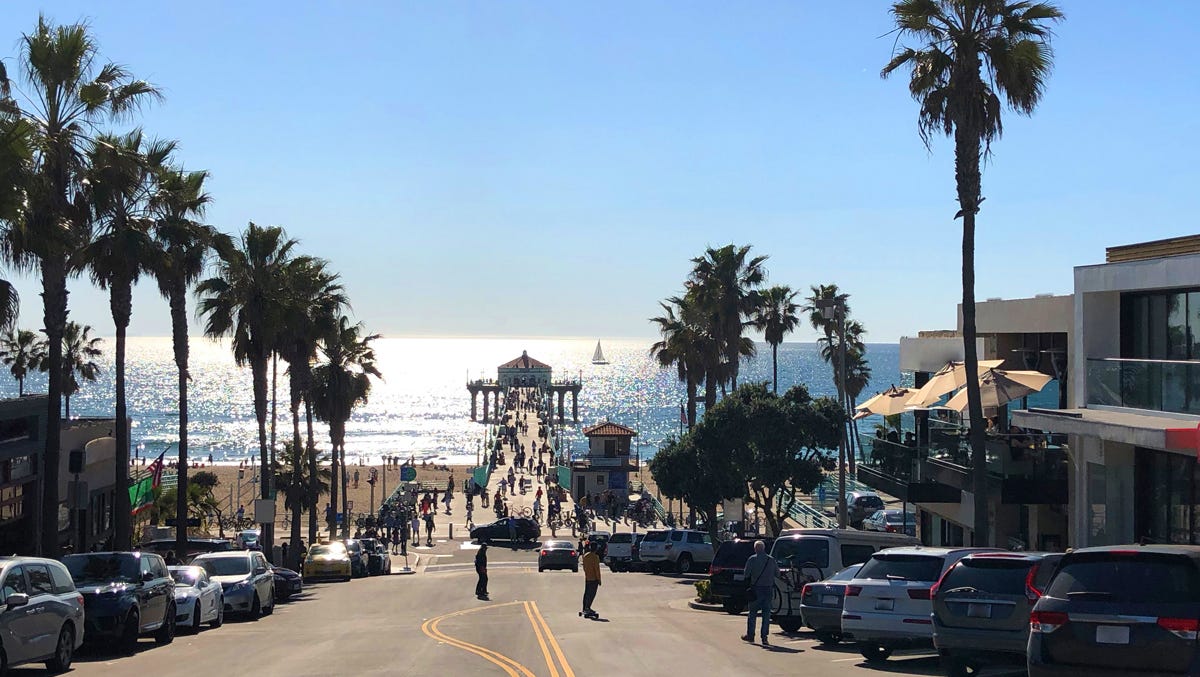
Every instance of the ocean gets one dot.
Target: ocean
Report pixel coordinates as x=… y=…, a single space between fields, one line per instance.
x=421 y=407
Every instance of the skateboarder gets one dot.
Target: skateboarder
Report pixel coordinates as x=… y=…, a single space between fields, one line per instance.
x=591 y=580
x=481 y=590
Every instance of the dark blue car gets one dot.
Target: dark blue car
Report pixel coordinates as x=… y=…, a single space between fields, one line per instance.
x=125 y=595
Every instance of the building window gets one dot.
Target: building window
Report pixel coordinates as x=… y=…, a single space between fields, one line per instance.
x=1166 y=505
x=610 y=448
x=1161 y=325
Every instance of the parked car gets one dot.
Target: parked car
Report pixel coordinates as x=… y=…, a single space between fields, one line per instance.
x=981 y=608
x=811 y=555
x=42 y=619
x=379 y=562
x=558 y=555
x=246 y=579
x=327 y=560
x=887 y=603
x=287 y=583
x=1119 y=610
x=725 y=575
x=195 y=546
x=892 y=522
x=860 y=505
x=679 y=550
x=618 y=554
x=198 y=598
x=821 y=604
x=359 y=566
x=125 y=595
x=600 y=540
x=636 y=563
x=249 y=539
x=526 y=529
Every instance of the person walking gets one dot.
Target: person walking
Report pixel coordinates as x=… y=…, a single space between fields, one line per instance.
x=481 y=590
x=402 y=536
x=429 y=530
x=591 y=581
x=415 y=526
x=761 y=570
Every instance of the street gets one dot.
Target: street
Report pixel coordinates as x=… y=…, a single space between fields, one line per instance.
x=431 y=623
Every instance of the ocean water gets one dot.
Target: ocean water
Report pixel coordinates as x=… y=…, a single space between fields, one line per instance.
x=422 y=407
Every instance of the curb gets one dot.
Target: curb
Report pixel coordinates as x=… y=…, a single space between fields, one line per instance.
x=412 y=569
x=704 y=606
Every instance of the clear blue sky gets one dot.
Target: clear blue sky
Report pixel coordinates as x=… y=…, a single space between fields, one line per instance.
x=446 y=156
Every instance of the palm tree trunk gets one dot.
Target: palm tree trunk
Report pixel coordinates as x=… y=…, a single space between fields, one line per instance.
x=121 y=303
x=21 y=387
x=274 y=413
x=691 y=402
x=54 y=307
x=179 y=341
x=258 y=371
x=334 y=481
x=775 y=366
x=67 y=404
x=294 y=561
x=295 y=393
x=710 y=390
x=345 y=483
x=313 y=474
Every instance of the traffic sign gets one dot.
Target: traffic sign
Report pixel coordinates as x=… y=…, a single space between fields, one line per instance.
x=408 y=474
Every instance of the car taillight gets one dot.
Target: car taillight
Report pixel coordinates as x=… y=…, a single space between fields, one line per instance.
x=919 y=593
x=804 y=591
x=891 y=529
x=713 y=569
x=573 y=553
x=933 y=590
x=1183 y=628
x=1031 y=592
x=853 y=590
x=545 y=552
x=1046 y=621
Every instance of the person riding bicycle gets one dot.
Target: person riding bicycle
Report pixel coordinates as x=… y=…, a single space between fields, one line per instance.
x=537 y=509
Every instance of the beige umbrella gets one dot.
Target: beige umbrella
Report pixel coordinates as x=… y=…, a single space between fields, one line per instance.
x=887 y=403
x=947 y=379
x=997 y=388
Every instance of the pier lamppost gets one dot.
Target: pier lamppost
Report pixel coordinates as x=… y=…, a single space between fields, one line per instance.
x=835 y=309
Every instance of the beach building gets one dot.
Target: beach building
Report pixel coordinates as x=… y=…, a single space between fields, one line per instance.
x=607 y=464
x=523 y=372
x=1133 y=418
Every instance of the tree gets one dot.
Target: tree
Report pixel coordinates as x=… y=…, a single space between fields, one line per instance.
x=245 y=301
x=300 y=490
x=973 y=53
x=69 y=93
x=684 y=345
x=119 y=174
x=16 y=152
x=181 y=247
x=724 y=283
x=701 y=475
x=79 y=352
x=21 y=350
x=776 y=316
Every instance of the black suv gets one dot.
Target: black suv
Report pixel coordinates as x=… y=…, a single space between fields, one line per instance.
x=981 y=608
x=1119 y=610
x=725 y=575
x=125 y=595
x=359 y=563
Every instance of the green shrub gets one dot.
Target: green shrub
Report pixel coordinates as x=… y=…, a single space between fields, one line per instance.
x=704 y=592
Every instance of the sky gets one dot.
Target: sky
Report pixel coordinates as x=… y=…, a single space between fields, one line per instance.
x=548 y=169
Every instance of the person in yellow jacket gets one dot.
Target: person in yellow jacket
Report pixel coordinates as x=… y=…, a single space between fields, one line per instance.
x=591 y=580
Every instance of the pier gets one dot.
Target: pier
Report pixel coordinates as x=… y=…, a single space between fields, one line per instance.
x=524 y=372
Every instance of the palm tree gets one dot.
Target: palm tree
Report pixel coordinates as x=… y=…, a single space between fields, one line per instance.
x=245 y=301
x=725 y=284
x=341 y=383
x=16 y=151
x=79 y=352
x=681 y=346
x=973 y=53
x=120 y=175
x=181 y=248
x=776 y=316
x=301 y=491
x=68 y=94
x=21 y=350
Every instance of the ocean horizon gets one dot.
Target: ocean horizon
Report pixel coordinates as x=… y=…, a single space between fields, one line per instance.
x=421 y=407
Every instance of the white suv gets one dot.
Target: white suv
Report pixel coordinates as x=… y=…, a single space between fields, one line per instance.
x=887 y=604
x=681 y=550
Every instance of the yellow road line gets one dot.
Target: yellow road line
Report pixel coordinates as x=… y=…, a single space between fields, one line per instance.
x=510 y=666
x=537 y=631
x=562 y=660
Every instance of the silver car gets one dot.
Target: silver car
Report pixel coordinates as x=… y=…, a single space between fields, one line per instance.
x=246 y=578
x=41 y=619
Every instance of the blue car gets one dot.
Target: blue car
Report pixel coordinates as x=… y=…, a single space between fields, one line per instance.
x=125 y=595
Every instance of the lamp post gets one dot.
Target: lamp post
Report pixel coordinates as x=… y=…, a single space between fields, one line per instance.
x=835 y=309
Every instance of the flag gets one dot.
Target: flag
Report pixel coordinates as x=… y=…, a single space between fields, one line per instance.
x=682 y=414
x=141 y=491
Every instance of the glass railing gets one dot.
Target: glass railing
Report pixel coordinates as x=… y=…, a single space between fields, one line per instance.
x=886 y=457
x=1029 y=453
x=1158 y=385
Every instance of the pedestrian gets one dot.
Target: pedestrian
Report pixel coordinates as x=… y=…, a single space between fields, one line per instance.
x=512 y=532
x=481 y=590
x=429 y=529
x=284 y=549
x=403 y=535
x=761 y=570
x=355 y=479
x=415 y=533
x=591 y=581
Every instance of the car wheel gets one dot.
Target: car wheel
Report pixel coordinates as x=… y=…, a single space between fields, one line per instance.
x=829 y=638
x=270 y=608
x=875 y=652
x=684 y=565
x=196 y=619
x=790 y=625
x=575 y=568
x=166 y=632
x=129 y=634
x=541 y=569
x=733 y=607
x=64 y=651
x=220 y=619
x=959 y=667
x=255 y=609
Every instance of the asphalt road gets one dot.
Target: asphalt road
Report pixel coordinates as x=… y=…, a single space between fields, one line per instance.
x=431 y=624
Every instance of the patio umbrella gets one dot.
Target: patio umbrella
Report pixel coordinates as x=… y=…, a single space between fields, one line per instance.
x=947 y=379
x=887 y=403
x=997 y=388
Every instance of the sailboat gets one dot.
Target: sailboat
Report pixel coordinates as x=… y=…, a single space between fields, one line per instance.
x=598 y=356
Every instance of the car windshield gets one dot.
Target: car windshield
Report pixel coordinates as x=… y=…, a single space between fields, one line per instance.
x=102 y=568
x=655 y=537
x=335 y=550
x=249 y=537
x=1138 y=578
x=871 y=501
x=354 y=548
x=621 y=538
x=185 y=577
x=796 y=552
x=997 y=575
x=226 y=566
x=924 y=568
x=558 y=545
x=846 y=574
x=733 y=554
x=896 y=517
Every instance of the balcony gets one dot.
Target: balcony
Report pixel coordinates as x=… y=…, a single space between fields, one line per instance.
x=1157 y=385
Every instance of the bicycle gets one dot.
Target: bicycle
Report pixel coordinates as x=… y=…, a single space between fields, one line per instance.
x=524 y=511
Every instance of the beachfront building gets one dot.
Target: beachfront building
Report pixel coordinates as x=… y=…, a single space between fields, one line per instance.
x=523 y=372
x=87 y=495
x=1134 y=404
x=1027 y=470
x=607 y=464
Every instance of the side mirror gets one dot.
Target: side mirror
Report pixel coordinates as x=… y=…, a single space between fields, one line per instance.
x=258 y=571
x=148 y=576
x=17 y=599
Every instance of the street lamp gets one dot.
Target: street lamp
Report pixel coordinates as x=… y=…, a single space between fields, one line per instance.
x=835 y=309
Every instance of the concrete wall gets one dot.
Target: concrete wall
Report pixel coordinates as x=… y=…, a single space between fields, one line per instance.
x=931 y=354
x=1040 y=315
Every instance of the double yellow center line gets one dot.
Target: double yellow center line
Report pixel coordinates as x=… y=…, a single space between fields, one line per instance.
x=546 y=641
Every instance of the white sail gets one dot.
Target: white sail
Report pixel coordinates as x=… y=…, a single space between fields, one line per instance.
x=598 y=356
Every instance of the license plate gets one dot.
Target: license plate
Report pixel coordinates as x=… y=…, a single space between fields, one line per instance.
x=830 y=599
x=1112 y=634
x=979 y=610
x=884 y=604
x=739 y=577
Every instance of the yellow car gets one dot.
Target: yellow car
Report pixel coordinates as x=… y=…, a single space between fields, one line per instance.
x=326 y=560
